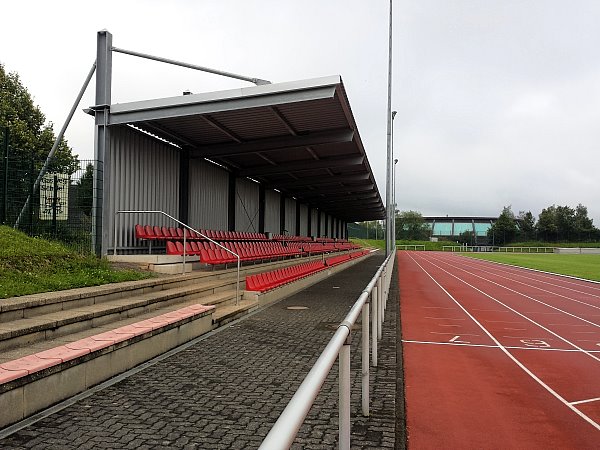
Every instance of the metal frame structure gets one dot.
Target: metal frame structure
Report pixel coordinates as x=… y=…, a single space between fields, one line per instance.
x=376 y=292
x=298 y=138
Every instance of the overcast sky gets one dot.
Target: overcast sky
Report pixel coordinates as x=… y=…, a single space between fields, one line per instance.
x=498 y=100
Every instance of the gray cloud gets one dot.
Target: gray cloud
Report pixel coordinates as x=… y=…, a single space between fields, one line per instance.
x=498 y=101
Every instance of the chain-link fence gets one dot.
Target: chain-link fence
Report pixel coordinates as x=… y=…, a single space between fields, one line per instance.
x=60 y=209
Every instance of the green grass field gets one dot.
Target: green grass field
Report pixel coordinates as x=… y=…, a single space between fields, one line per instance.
x=380 y=243
x=33 y=265
x=582 y=266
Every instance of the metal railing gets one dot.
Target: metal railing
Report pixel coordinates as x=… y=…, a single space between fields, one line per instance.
x=284 y=431
x=489 y=248
x=410 y=246
x=526 y=249
x=237 y=289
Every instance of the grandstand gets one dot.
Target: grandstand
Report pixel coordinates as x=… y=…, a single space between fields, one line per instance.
x=280 y=159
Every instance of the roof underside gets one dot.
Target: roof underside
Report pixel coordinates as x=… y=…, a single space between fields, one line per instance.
x=299 y=138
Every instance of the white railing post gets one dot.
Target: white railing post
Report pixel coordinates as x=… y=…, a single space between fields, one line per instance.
x=379 y=306
x=344 y=396
x=365 y=359
x=183 y=270
x=374 y=320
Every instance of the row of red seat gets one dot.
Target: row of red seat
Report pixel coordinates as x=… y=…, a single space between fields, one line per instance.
x=340 y=259
x=248 y=251
x=156 y=233
x=269 y=280
x=287 y=238
x=266 y=281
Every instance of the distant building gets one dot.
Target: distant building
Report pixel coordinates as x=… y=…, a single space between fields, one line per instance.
x=450 y=227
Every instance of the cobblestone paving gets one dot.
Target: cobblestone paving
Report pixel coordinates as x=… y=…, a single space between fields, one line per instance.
x=226 y=391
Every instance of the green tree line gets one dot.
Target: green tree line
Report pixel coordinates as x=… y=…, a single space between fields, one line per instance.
x=554 y=224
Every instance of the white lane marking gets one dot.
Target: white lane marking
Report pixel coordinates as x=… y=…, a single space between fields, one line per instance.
x=589 y=400
x=456 y=340
x=539 y=288
x=510 y=355
x=516 y=270
x=508 y=289
x=506 y=306
x=511 y=347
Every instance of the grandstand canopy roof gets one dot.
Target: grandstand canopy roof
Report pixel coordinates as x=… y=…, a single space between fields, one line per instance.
x=298 y=137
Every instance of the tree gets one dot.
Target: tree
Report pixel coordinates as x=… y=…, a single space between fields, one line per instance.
x=546 y=225
x=584 y=226
x=30 y=140
x=526 y=226
x=412 y=226
x=85 y=190
x=467 y=237
x=29 y=135
x=505 y=229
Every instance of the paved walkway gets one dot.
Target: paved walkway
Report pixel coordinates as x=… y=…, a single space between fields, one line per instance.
x=227 y=389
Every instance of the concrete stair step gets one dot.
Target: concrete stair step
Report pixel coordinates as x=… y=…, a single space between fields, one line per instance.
x=38 y=304
x=229 y=313
x=72 y=320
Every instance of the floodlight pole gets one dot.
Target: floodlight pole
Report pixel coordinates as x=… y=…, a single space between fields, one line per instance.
x=388 y=196
x=393 y=242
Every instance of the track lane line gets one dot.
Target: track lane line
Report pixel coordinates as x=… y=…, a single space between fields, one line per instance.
x=541 y=289
x=510 y=355
x=510 y=347
x=510 y=308
x=511 y=290
x=580 y=282
x=589 y=400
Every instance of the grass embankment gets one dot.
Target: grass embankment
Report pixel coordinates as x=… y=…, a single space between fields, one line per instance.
x=379 y=243
x=582 y=266
x=33 y=265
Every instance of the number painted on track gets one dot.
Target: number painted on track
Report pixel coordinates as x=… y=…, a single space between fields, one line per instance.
x=455 y=340
x=535 y=343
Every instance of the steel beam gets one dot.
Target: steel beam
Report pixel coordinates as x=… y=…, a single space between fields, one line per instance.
x=297 y=166
x=276 y=143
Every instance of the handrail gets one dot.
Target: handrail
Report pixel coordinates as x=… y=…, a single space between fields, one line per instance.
x=406 y=246
x=237 y=289
x=282 y=434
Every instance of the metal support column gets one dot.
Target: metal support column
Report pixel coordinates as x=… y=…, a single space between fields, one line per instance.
x=101 y=210
x=231 y=202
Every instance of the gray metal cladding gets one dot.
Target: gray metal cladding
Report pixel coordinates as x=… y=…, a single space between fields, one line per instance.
x=246 y=205
x=290 y=216
x=208 y=196
x=145 y=176
x=323 y=218
x=313 y=222
x=303 y=220
x=272 y=211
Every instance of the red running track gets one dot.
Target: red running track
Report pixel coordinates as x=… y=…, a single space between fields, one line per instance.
x=498 y=357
